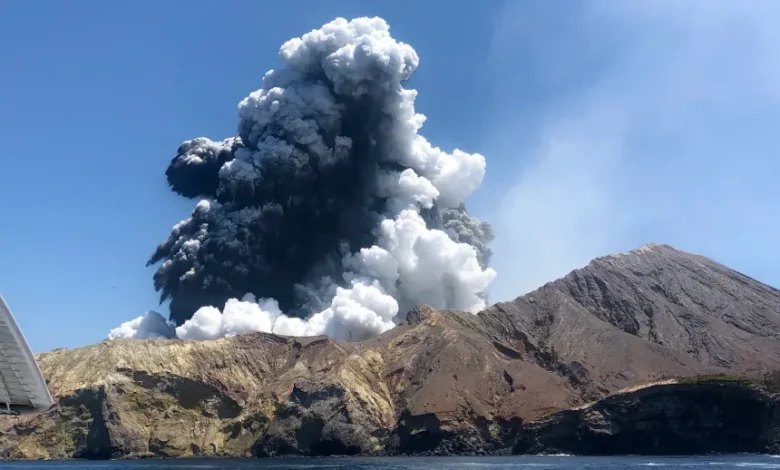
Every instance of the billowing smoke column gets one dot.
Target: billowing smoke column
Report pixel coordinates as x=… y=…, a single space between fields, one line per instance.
x=328 y=205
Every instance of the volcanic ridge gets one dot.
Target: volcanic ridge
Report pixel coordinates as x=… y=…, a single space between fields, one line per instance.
x=590 y=363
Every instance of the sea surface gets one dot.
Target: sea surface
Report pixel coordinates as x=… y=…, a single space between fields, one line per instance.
x=435 y=463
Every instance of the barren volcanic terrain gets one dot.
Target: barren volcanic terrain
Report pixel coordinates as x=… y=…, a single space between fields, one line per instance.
x=443 y=382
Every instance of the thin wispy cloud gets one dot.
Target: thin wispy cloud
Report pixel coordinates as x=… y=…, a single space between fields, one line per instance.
x=660 y=126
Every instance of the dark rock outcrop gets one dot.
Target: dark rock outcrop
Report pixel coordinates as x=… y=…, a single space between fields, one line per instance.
x=666 y=419
x=443 y=382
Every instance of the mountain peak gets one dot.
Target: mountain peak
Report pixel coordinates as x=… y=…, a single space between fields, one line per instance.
x=681 y=301
x=649 y=249
x=655 y=248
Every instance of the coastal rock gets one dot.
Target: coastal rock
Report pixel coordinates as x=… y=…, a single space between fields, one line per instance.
x=690 y=417
x=514 y=377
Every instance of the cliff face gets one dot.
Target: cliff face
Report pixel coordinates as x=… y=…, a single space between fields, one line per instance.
x=438 y=383
x=666 y=419
x=444 y=382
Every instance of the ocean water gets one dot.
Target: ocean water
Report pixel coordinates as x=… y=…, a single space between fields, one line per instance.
x=411 y=463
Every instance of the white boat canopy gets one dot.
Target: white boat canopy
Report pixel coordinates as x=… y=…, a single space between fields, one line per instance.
x=21 y=381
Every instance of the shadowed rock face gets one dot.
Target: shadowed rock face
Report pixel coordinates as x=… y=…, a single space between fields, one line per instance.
x=668 y=419
x=444 y=382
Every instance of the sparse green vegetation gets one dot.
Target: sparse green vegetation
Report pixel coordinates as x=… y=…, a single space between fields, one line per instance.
x=719 y=378
x=770 y=381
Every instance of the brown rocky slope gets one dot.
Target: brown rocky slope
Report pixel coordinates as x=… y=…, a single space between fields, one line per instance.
x=444 y=382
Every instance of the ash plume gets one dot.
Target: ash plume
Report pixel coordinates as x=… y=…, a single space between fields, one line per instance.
x=328 y=213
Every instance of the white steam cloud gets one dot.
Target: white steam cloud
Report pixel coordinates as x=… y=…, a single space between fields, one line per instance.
x=147 y=326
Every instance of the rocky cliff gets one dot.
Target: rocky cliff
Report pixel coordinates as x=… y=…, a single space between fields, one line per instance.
x=443 y=382
x=439 y=383
x=674 y=418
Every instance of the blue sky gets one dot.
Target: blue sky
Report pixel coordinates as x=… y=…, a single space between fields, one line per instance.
x=605 y=124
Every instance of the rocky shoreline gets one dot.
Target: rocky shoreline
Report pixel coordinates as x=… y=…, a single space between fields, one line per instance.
x=686 y=417
x=580 y=366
